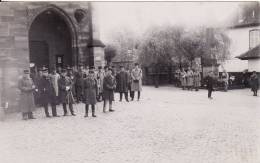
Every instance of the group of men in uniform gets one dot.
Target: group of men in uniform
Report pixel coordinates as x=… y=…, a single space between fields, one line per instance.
x=68 y=86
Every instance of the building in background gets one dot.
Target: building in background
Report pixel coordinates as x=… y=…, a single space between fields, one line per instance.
x=244 y=33
x=51 y=34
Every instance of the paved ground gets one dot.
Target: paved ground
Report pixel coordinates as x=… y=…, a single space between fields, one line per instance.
x=167 y=125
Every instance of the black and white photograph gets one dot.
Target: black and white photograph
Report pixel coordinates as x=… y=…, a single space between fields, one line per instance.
x=129 y=81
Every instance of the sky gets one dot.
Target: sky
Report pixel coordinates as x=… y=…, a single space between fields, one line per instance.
x=138 y=16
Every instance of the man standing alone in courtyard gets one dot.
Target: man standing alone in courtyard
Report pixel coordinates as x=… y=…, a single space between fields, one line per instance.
x=209 y=82
x=254 y=83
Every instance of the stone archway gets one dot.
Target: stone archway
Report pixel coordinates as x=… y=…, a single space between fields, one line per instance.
x=52 y=38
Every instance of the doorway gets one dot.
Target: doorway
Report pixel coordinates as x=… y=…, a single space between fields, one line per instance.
x=50 y=41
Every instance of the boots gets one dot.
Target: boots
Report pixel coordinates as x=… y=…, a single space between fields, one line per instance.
x=71 y=110
x=30 y=115
x=110 y=108
x=93 y=111
x=64 y=109
x=86 y=110
x=46 y=111
x=25 y=116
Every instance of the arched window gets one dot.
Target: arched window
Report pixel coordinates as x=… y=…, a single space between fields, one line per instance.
x=254 y=38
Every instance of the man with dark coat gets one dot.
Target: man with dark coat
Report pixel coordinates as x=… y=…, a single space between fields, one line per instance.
x=254 y=83
x=26 y=103
x=65 y=91
x=79 y=84
x=109 y=86
x=210 y=82
x=122 y=83
x=47 y=93
x=90 y=93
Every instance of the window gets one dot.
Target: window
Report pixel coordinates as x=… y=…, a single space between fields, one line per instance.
x=254 y=38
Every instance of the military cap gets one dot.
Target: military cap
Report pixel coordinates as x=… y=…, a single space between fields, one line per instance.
x=26 y=71
x=91 y=72
x=44 y=69
x=63 y=70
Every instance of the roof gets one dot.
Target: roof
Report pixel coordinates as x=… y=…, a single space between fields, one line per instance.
x=245 y=25
x=250 y=54
x=97 y=43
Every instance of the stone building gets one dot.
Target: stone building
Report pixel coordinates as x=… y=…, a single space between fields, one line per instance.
x=45 y=33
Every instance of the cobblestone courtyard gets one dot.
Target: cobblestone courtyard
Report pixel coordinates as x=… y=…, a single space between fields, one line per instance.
x=167 y=125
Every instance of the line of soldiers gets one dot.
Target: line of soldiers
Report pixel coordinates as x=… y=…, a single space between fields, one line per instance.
x=68 y=86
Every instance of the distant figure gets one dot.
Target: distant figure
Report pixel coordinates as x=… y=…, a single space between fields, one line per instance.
x=90 y=93
x=109 y=86
x=122 y=83
x=189 y=76
x=100 y=79
x=254 y=81
x=79 y=84
x=183 y=79
x=225 y=78
x=136 y=75
x=26 y=103
x=197 y=79
x=210 y=82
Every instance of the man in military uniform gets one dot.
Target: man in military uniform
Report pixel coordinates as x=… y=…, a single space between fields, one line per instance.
x=65 y=91
x=109 y=86
x=48 y=94
x=79 y=83
x=122 y=83
x=26 y=103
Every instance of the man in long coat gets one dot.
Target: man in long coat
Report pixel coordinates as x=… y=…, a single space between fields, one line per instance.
x=26 y=103
x=65 y=90
x=122 y=83
x=189 y=76
x=100 y=79
x=48 y=95
x=210 y=83
x=136 y=76
x=254 y=83
x=109 y=86
x=197 y=79
x=90 y=93
x=54 y=76
x=79 y=84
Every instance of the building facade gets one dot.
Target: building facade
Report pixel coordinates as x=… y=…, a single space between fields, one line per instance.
x=51 y=34
x=244 y=34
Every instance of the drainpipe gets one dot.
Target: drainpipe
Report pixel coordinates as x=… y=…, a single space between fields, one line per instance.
x=91 y=47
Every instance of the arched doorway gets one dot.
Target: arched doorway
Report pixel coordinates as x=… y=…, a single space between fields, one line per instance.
x=51 y=40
